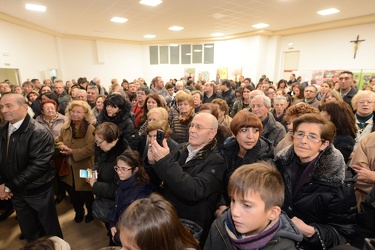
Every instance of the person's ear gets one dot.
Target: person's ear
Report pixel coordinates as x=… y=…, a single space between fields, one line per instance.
x=135 y=170
x=274 y=213
x=324 y=145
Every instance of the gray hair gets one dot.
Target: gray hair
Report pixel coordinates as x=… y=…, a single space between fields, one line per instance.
x=81 y=91
x=94 y=87
x=266 y=100
x=278 y=98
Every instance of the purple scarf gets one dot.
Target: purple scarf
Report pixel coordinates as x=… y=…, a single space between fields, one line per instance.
x=251 y=242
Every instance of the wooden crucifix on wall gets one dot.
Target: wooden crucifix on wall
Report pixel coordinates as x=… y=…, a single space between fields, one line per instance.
x=356 y=43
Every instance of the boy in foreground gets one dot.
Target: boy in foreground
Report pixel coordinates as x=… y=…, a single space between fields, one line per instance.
x=254 y=219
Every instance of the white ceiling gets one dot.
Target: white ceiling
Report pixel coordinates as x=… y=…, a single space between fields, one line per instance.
x=200 y=18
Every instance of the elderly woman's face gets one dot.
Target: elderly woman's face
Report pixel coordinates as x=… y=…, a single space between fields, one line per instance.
x=247 y=138
x=49 y=110
x=307 y=141
x=365 y=105
x=77 y=114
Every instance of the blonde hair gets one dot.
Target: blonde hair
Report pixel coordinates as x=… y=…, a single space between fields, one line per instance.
x=87 y=109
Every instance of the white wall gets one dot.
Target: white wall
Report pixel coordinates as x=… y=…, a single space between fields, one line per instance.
x=332 y=49
x=33 y=53
x=80 y=59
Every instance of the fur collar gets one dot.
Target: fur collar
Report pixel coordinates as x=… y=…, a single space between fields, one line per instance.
x=330 y=166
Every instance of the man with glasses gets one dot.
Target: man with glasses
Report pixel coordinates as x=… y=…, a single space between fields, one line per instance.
x=191 y=176
x=346 y=89
x=310 y=93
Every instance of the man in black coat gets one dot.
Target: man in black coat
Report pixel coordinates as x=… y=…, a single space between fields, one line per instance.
x=191 y=176
x=26 y=172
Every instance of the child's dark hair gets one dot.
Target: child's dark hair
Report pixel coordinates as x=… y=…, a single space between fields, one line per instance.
x=133 y=159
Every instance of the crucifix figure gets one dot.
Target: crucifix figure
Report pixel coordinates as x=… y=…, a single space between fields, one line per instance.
x=356 y=43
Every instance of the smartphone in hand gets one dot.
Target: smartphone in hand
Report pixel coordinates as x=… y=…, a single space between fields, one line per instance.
x=83 y=173
x=160 y=137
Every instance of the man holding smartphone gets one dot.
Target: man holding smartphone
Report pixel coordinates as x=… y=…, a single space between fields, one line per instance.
x=193 y=174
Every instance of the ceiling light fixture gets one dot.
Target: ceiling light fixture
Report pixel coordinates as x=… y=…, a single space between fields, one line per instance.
x=118 y=19
x=176 y=28
x=174 y=45
x=35 y=7
x=197 y=50
x=328 y=12
x=149 y=36
x=151 y=2
x=260 y=25
x=217 y=34
x=208 y=46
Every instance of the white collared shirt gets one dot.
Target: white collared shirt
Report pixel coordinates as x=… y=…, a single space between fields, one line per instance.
x=192 y=152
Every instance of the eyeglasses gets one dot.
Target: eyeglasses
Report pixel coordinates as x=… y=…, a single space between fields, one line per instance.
x=141 y=93
x=271 y=92
x=48 y=109
x=76 y=112
x=198 y=127
x=98 y=142
x=364 y=101
x=299 y=135
x=123 y=169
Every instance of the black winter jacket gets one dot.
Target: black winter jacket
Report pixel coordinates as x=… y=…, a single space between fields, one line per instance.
x=124 y=122
x=27 y=168
x=326 y=202
x=107 y=182
x=262 y=151
x=192 y=187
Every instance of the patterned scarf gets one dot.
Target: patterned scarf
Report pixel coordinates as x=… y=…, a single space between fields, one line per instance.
x=251 y=242
x=79 y=130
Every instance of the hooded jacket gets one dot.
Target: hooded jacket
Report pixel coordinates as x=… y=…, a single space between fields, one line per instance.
x=285 y=238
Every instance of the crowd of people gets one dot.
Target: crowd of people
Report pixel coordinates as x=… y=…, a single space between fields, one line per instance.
x=239 y=165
